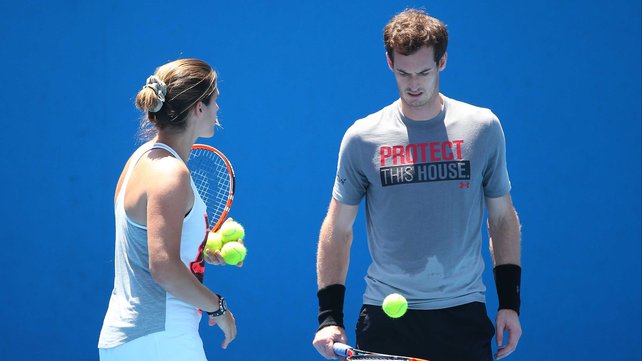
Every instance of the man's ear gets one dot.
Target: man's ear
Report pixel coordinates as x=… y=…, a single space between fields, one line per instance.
x=443 y=61
x=390 y=65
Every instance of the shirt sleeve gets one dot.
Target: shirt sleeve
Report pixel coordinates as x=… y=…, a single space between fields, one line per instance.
x=350 y=184
x=496 y=182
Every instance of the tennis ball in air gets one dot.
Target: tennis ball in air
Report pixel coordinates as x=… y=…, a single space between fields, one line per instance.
x=231 y=231
x=395 y=305
x=214 y=242
x=233 y=252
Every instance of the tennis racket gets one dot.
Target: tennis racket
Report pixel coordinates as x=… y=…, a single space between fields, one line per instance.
x=213 y=176
x=353 y=354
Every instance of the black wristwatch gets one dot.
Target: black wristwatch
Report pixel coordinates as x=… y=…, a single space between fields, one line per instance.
x=222 y=307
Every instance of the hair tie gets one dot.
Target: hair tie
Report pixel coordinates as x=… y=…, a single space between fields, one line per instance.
x=159 y=88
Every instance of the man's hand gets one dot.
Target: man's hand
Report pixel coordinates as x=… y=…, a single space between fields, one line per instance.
x=507 y=320
x=326 y=337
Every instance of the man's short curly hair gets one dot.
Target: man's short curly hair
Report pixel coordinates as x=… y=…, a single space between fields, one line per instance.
x=412 y=29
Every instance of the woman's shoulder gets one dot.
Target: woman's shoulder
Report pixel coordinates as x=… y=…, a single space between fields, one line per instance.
x=163 y=171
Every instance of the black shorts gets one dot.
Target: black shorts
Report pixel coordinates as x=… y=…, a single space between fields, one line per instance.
x=460 y=333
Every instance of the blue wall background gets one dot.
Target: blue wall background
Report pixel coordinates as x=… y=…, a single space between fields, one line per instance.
x=563 y=76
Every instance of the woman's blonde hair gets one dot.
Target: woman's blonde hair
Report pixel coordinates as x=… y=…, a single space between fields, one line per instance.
x=172 y=91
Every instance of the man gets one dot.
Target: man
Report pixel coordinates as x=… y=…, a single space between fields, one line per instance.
x=427 y=165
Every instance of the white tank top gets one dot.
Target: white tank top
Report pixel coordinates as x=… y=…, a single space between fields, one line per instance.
x=138 y=305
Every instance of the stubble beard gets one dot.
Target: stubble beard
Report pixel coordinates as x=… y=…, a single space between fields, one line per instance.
x=418 y=102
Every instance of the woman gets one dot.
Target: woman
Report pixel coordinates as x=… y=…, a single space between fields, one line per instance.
x=161 y=228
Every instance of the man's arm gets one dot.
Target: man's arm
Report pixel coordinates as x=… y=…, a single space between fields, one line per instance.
x=333 y=258
x=335 y=239
x=504 y=231
x=505 y=248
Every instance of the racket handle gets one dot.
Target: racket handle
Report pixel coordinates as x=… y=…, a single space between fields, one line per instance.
x=341 y=349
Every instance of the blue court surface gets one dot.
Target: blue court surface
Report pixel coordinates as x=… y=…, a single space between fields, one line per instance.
x=562 y=76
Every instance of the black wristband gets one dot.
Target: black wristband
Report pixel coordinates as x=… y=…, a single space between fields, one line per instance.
x=331 y=305
x=508 y=282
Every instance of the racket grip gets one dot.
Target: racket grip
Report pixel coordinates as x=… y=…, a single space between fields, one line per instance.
x=341 y=349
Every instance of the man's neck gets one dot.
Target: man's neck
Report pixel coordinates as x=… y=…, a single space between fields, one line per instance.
x=428 y=111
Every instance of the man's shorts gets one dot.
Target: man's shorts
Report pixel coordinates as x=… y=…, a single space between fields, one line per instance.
x=461 y=333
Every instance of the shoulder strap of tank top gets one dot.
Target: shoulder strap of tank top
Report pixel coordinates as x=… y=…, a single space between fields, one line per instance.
x=171 y=150
x=191 y=180
x=167 y=148
x=138 y=154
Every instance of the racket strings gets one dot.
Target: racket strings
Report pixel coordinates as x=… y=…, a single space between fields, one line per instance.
x=212 y=180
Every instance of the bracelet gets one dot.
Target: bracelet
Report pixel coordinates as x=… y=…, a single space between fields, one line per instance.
x=331 y=305
x=508 y=282
x=222 y=307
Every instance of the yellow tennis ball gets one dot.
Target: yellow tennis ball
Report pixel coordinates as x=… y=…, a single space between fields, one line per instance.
x=395 y=305
x=233 y=252
x=214 y=242
x=231 y=231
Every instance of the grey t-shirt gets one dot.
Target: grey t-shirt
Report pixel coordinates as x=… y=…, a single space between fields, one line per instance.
x=424 y=183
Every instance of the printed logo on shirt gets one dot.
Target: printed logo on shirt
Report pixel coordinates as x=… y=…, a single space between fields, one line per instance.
x=423 y=162
x=197 y=266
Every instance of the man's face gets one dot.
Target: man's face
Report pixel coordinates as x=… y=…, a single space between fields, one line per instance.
x=417 y=76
